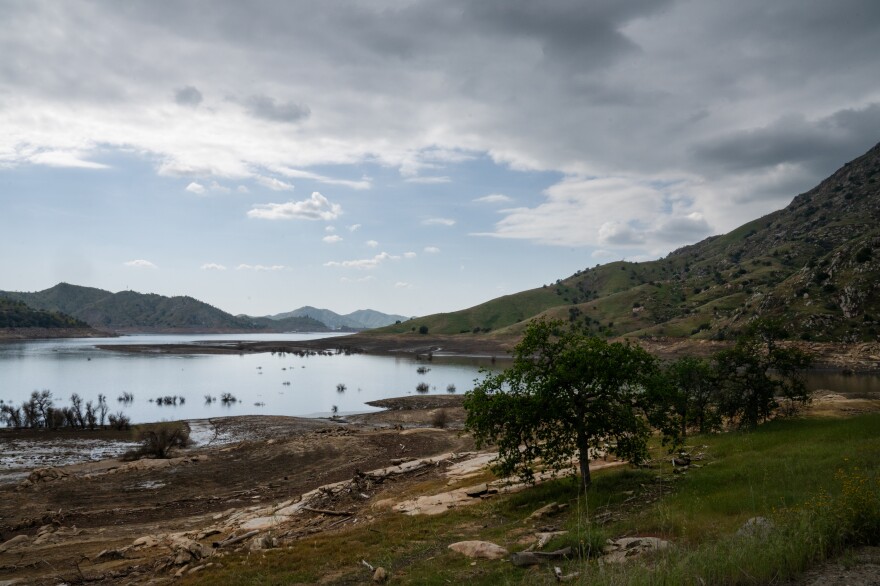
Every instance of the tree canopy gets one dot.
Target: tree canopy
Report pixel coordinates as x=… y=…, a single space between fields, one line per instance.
x=565 y=395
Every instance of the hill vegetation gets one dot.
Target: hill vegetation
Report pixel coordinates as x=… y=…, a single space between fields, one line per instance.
x=362 y=319
x=15 y=314
x=814 y=264
x=129 y=310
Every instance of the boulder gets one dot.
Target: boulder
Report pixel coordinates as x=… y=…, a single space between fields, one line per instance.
x=479 y=549
x=380 y=576
x=759 y=527
x=17 y=541
x=620 y=550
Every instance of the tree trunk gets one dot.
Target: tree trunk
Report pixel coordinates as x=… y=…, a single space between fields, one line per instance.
x=584 y=455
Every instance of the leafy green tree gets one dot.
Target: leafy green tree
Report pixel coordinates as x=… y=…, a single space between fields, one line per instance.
x=758 y=370
x=565 y=395
x=692 y=395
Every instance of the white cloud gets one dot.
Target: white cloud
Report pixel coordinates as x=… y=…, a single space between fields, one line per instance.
x=432 y=249
x=409 y=255
x=219 y=188
x=428 y=180
x=367 y=263
x=403 y=285
x=140 y=264
x=247 y=267
x=493 y=198
x=365 y=279
x=608 y=212
x=332 y=238
x=196 y=188
x=354 y=227
x=438 y=222
x=317 y=207
x=70 y=159
x=274 y=184
x=364 y=183
x=372 y=243
x=212 y=266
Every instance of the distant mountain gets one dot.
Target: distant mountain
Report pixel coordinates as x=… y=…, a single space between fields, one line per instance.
x=362 y=319
x=131 y=311
x=15 y=314
x=815 y=264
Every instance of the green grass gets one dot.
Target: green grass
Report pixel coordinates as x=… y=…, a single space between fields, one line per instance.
x=816 y=478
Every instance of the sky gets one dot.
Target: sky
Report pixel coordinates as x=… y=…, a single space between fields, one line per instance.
x=408 y=156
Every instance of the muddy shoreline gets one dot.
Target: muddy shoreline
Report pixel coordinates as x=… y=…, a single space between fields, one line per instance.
x=862 y=357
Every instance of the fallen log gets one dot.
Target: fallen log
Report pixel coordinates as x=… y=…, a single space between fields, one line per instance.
x=534 y=558
x=329 y=512
x=234 y=540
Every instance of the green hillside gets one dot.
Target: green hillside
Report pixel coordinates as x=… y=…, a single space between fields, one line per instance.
x=815 y=264
x=129 y=310
x=15 y=314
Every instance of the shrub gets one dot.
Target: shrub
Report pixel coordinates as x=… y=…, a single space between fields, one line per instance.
x=423 y=329
x=159 y=441
x=119 y=421
x=340 y=388
x=440 y=418
x=423 y=387
x=450 y=388
x=227 y=398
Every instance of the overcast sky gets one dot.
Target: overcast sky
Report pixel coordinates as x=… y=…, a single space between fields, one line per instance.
x=408 y=156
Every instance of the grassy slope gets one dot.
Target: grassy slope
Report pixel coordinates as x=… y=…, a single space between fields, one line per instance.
x=778 y=471
x=15 y=314
x=815 y=264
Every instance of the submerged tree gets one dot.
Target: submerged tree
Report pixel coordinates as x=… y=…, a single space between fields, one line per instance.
x=566 y=395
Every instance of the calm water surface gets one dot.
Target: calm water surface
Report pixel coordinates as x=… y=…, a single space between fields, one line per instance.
x=259 y=381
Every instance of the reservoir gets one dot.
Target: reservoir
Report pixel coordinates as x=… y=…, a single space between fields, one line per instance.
x=263 y=384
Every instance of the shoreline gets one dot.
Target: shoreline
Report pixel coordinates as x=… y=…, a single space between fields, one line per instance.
x=855 y=358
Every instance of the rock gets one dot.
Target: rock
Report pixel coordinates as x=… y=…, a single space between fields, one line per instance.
x=475 y=491
x=261 y=542
x=620 y=550
x=547 y=510
x=145 y=541
x=545 y=537
x=759 y=527
x=479 y=549
x=16 y=541
x=110 y=554
x=380 y=575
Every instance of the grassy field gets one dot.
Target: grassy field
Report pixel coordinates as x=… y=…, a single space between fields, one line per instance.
x=817 y=480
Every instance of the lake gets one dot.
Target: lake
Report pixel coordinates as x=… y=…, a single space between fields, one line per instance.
x=264 y=384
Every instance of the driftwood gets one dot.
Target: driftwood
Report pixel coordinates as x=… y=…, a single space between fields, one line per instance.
x=328 y=512
x=534 y=558
x=234 y=540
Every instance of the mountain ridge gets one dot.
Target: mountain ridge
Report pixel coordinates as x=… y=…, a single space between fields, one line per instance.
x=361 y=319
x=814 y=264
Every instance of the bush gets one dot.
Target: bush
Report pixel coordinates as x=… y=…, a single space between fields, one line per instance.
x=119 y=421
x=423 y=387
x=340 y=388
x=440 y=418
x=159 y=441
x=423 y=329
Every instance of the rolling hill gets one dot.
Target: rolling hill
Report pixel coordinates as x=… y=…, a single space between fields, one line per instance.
x=362 y=319
x=131 y=311
x=15 y=314
x=814 y=264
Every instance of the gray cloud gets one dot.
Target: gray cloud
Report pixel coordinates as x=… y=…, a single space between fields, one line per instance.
x=188 y=96
x=793 y=139
x=266 y=108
